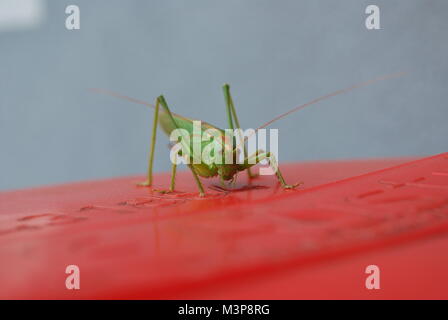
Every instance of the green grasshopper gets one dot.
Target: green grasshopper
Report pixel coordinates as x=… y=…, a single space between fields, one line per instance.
x=170 y=121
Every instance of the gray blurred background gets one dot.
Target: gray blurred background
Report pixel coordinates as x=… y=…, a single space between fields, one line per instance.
x=275 y=54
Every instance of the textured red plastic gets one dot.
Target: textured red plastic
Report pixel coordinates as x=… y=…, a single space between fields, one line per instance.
x=258 y=242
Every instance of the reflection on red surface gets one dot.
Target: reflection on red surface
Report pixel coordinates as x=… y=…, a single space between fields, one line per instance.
x=250 y=242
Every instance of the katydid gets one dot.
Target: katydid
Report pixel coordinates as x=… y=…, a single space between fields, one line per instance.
x=170 y=121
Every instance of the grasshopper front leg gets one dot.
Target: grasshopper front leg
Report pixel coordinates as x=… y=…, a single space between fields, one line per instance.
x=259 y=156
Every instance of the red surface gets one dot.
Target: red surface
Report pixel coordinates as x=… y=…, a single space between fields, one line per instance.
x=264 y=242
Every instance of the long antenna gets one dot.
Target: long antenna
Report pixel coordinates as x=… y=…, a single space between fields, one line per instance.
x=329 y=95
x=120 y=96
x=127 y=98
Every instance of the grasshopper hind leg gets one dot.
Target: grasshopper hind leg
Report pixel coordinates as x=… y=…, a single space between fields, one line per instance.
x=149 y=178
x=231 y=117
x=148 y=181
x=162 y=102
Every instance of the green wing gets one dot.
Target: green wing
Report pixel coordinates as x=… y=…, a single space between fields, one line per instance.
x=182 y=122
x=187 y=124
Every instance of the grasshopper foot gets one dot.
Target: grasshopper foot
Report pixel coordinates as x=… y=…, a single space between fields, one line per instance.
x=253 y=176
x=161 y=191
x=292 y=186
x=144 y=184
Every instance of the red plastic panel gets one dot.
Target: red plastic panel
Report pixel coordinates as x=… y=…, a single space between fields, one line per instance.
x=258 y=242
